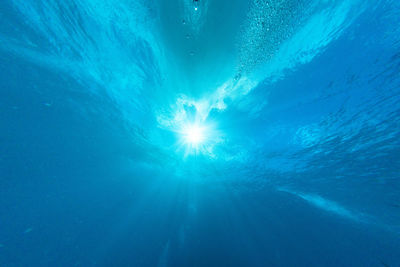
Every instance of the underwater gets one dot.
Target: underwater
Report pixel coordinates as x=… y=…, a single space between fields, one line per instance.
x=199 y=133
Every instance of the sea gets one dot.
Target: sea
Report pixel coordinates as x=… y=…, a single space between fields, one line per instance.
x=199 y=133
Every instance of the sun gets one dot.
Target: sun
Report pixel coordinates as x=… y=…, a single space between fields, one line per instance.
x=195 y=138
x=194 y=134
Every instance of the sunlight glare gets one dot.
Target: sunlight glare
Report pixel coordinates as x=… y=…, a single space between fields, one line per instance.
x=194 y=134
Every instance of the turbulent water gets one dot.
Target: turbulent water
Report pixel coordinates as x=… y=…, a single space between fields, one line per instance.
x=297 y=162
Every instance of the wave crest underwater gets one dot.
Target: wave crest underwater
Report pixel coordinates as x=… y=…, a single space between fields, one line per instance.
x=240 y=102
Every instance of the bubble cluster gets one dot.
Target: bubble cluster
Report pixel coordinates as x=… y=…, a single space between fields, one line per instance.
x=268 y=24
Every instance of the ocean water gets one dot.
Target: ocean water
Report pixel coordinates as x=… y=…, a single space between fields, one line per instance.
x=199 y=133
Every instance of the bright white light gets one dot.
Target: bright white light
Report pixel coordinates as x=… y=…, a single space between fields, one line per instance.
x=194 y=134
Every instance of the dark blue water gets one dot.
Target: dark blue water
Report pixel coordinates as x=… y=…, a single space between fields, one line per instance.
x=216 y=133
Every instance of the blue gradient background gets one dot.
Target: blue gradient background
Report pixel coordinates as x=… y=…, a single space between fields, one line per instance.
x=301 y=162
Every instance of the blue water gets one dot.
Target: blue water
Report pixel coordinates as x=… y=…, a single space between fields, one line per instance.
x=295 y=156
